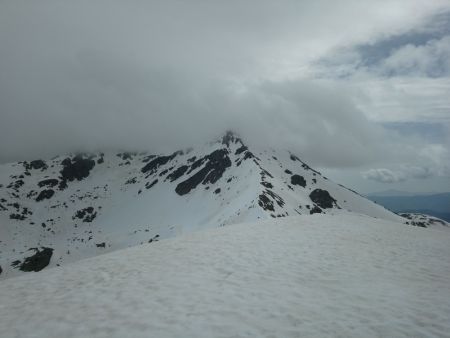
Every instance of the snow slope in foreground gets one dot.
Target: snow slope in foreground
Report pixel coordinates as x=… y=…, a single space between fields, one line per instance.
x=310 y=276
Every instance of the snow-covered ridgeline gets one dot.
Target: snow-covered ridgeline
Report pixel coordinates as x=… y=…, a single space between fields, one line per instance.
x=71 y=207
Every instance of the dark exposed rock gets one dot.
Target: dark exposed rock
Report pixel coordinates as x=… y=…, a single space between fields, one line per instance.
x=197 y=164
x=216 y=164
x=248 y=154
x=322 y=198
x=217 y=191
x=36 y=164
x=306 y=167
x=148 y=185
x=294 y=158
x=62 y=185
x=154 y=164
x=408 y=216
x=132 y=180
x=287 y=171
x=265 y=173
x=18 y=217
x=16 y=184
x=86 y=214
x=38 y=261
x=1 y=270
x=276 y=197
x=265 y=203
x=240 y=150
x=126 y=156
x=419 y=224
x=45 y=194
x=267 y=184
x=177 y=173
x=25 y=211
x=298 y=180
x=51 y=182
x=154 y=239
x=77 y=168
x=315 y=210
x=314 y=180
x=100 y=245
x=162 y=173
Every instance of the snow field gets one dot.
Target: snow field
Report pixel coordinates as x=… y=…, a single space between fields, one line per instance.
x=341 y=275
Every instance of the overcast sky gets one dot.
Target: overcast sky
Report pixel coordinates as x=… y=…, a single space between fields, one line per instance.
x=357 y=88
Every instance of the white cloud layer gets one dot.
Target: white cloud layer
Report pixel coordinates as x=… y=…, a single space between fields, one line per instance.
x=384 y=175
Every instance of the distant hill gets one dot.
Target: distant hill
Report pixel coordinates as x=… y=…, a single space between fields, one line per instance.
x=396 y=193
x=437 y=205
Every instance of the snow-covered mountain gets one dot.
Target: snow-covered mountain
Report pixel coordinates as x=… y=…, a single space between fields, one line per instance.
x=71 y=207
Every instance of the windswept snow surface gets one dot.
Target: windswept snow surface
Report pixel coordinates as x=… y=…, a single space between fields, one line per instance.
x=341 y=275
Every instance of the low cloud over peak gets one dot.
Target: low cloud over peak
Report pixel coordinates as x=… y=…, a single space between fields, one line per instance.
x=162 y=75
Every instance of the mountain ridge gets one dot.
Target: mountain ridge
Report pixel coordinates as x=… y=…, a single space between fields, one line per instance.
x=77 y=206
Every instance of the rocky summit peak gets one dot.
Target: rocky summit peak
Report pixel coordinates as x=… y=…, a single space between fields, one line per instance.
x=231 y=137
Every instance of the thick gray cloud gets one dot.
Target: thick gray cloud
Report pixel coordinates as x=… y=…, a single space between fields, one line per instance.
x=159 y=75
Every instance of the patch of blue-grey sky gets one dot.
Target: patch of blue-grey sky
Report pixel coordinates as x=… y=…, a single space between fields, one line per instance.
x=403 y=82
x=431 y=40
